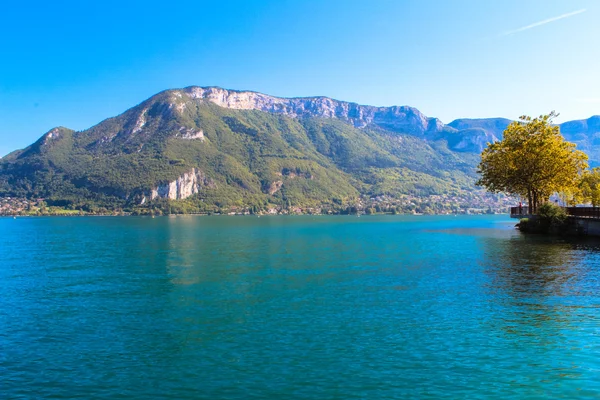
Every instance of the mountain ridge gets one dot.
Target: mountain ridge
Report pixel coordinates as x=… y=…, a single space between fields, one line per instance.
x=404 y=119
x=412 y=120
x=216 y=148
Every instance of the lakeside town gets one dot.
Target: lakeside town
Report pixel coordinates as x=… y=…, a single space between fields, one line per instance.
x=477 y=202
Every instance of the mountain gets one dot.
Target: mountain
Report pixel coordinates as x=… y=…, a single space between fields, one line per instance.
x=212 y=149
x=586 y=134
x=472 y=135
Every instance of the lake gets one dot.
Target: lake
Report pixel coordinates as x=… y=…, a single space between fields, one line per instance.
x=295 y=307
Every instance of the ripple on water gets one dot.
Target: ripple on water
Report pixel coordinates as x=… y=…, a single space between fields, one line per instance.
x=321 y=308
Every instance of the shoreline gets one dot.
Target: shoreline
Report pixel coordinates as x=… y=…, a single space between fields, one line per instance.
x=244 y=215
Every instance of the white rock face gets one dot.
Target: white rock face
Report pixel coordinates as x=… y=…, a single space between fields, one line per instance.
x=183 y=187
x=141 y=121
x=51 y=135
x=190 y=134
x=400 y=118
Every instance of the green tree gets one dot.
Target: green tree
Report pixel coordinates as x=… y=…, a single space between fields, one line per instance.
x=550 y=215
x=590 y=186
x=532 y=160
x=571 y=196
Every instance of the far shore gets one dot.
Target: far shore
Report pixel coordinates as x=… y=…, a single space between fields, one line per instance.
x=238 y=215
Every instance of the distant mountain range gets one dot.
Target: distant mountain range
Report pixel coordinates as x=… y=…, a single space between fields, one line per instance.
x=222 y=148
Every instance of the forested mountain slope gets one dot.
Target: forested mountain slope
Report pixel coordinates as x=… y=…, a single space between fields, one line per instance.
x=219 y=148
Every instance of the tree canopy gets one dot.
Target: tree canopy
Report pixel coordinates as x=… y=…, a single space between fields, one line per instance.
x=532 y=160
x=590 y=186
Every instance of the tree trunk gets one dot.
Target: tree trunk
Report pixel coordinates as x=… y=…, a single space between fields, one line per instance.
x=530 y=201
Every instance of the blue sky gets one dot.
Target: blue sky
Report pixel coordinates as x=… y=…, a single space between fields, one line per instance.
x=75 y=63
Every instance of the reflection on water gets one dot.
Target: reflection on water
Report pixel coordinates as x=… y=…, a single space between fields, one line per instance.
x=544 y=290
x=537 y=267
x=526 y=267
x=295 y=307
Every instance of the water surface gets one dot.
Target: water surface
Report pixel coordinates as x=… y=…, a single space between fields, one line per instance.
x=295 y=308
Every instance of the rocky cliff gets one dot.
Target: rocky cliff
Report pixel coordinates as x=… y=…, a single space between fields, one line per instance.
x=396 y=118
x=187 y=185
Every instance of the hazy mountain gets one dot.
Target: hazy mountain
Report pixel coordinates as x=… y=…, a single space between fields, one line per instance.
x=493 y=126
x=225 y=147
x=586 y=134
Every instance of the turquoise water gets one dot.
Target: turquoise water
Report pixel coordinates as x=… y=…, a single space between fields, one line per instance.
x=295 y=308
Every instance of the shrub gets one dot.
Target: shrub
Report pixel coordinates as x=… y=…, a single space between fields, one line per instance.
x=523 y=224
x=551 y=214
x=549 y=218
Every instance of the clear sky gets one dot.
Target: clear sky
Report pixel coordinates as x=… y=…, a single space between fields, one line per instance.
x=75 y=63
